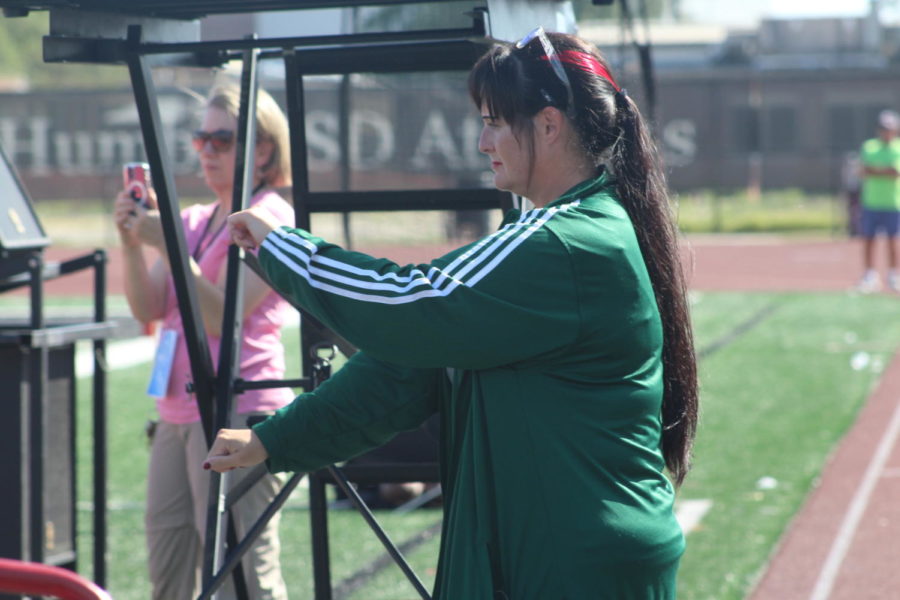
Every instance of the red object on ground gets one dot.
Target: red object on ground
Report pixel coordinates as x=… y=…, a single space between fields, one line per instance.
x=20 y=577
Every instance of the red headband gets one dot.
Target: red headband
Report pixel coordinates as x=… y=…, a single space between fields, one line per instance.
x=587 y=63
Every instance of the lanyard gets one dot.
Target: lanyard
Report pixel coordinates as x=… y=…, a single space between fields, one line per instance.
x=200 y=249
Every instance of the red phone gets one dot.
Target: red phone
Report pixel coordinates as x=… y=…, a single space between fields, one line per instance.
x=136 y=177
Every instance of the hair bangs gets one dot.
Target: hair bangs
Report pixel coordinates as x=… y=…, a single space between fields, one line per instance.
x=491 y=82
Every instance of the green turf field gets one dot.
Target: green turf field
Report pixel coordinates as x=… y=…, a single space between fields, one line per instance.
x=783 y=376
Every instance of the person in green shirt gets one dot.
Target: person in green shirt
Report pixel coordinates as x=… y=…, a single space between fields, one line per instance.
x=880 y=161
x=558 y=350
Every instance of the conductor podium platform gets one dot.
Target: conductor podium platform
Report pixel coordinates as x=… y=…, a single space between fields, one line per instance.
x=37 y=372
x=37 y=440
x=38 y=433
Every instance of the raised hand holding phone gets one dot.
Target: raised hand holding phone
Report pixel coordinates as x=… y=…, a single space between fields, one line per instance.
x=135 y=209
x=136 y=179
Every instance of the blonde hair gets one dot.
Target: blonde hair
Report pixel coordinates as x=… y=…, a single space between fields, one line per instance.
x=271 y=126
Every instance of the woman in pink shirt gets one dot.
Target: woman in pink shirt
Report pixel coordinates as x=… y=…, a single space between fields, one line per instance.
x=177 y=488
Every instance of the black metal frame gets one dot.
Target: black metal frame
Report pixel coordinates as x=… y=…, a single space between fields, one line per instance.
x=40 y=337
x=191 y=10
x=427 y=50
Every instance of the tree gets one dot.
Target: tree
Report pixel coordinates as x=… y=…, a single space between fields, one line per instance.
x=21 y=54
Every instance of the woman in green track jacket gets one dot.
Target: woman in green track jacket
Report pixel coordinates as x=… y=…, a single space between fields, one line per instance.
x=558 y=350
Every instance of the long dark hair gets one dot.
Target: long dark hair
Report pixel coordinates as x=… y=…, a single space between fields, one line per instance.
x=515 y=84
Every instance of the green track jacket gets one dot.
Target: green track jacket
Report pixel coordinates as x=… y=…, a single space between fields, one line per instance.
x=540 y=345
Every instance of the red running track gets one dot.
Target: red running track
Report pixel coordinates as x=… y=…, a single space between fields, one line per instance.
x=727 y=263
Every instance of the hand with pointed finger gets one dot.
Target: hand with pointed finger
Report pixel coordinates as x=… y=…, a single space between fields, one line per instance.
x=248 y=228
x=234 y=448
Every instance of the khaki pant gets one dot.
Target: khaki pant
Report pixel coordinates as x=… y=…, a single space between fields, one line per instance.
x=175 y=521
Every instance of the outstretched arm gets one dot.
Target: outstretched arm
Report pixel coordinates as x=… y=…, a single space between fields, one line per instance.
x=361 y=407
x=509 y=297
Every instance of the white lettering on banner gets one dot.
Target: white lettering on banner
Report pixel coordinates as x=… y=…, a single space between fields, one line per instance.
x=39 y=142
x=680 y=142
x=115 y=147
x=372 y=142
x=62 y=143
x=371 y=131
x=436 y=139
x=471 y=131
x=68 y=161
x=183 y=155
x=321 y=139
x=38 y=150
x=441 y=138
x=8 y=137
x=30 y=149
x=84 y=150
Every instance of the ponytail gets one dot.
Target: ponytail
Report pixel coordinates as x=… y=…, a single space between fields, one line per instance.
x=641 y=188
x=515 y=83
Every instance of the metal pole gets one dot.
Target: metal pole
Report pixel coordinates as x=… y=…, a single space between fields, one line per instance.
x=296 y=109
x=241 y=549
x=360 y=504
x=173 y=232
x=230 y=350
x=344 y=120
x=37 y=367
x=318 y=511
x=318 y=521
x=99 y=423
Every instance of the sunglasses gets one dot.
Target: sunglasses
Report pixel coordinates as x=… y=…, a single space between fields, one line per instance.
x=555 y=63
x=220 y=140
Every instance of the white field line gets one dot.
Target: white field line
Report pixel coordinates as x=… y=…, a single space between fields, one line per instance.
x=690 y=512
x=855 y=511
x=122 y=354
x=119 y=355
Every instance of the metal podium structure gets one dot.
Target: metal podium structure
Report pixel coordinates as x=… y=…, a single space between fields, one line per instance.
x=146 y=33
x=37 y=364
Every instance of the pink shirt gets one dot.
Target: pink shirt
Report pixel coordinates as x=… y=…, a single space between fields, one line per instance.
x=262 y=354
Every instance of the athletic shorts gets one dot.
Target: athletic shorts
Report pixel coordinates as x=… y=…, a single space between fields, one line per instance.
x=886 y=221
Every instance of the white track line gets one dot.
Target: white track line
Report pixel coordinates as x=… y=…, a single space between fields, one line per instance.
x=855 y=511
x=119 y=355
x=690 y=512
